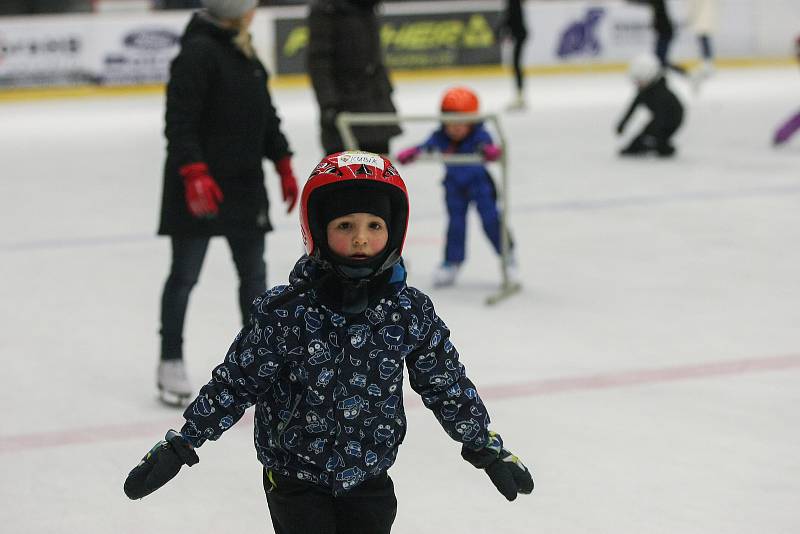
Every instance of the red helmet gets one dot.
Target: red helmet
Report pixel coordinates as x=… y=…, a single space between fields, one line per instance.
x=460 y=100
x=363 y=172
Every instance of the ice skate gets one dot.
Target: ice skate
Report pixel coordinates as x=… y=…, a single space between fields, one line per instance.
x=446 y=275
x=665 y=150
x=634 y=149
x=518 y=103
x=512 y=271
x=173 y=384
x=701 y=74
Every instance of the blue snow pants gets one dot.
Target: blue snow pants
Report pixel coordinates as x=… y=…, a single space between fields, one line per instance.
x=461 y=189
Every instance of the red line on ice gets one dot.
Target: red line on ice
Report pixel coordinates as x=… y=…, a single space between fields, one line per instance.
x=107 y=433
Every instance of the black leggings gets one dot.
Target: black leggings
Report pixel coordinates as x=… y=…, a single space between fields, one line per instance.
x=663 y=42
x=519 y=42
x=298 y=507
x=188 y=254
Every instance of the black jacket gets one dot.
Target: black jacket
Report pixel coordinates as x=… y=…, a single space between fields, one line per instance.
x=345 y=63
x=219 y=111
x=328 y=386
x=666 y=109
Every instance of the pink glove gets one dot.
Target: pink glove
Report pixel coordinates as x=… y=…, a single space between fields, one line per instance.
x=492 y=152
x=202 y=192
x=408 y=155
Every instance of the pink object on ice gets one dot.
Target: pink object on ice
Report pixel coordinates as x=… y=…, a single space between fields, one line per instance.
x=788 y=129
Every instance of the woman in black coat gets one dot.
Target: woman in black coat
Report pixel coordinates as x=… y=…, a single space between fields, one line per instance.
x=220 y=123
x=345 y=63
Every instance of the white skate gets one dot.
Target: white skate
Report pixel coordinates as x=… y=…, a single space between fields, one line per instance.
x=512 y=271
x=517 y=103
x=173 y=384
x=445 y=275
x=701 y=74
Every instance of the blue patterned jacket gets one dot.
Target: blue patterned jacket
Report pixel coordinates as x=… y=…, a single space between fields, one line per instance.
x=328 y=388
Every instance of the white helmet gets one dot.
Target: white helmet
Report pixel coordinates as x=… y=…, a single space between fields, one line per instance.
x=644 y=69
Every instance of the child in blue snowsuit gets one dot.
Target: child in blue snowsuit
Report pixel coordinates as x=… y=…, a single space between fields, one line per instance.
x=322 y=361
x=463 y=183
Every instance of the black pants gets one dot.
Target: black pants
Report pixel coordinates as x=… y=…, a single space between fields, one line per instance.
x=298 y=507
x=662 y=52
x=519 y=35
x=187 y=260
x=654 y=137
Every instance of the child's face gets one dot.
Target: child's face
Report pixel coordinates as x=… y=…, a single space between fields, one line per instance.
x=357 y=236
x=457 y=131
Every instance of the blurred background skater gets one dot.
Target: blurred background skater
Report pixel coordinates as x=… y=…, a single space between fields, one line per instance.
x=220 y=123
x=464 y=184
x=788 y=128
x=664 y=32
x=345 y=63
x=665 y=108
x=512 y=26
x=703 y=18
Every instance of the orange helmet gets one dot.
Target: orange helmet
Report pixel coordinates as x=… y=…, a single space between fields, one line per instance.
x=460 y=100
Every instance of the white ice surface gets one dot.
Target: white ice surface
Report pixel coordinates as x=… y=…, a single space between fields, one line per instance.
x=648 y=373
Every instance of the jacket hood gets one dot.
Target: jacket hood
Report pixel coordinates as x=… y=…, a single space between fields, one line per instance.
x=202 y=23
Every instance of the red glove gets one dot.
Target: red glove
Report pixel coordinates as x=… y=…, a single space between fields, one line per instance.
x=408 y=155
x=202 y=192
x=288 y=182
x=492 y=152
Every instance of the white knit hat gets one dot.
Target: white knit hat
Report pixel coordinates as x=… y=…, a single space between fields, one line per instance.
x=229 y=9
x=644 y=68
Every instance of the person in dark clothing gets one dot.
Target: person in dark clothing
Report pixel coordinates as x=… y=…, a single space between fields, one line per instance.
x=513 y=25
x=322 y=360
x=664 y=106
x=345 y=63
x=220 y=124
x=665 y=32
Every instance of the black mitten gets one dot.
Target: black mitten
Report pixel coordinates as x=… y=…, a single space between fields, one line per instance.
x=508 y=474
x=160 y=465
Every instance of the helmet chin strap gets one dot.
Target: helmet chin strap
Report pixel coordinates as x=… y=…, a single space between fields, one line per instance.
x=361 y=272
x=356 y=276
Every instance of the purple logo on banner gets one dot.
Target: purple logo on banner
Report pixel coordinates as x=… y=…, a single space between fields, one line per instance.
x=579 y=37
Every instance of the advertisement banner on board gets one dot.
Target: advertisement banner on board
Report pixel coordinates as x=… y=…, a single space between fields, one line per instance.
x=614 y=31
x=48 y=53
x=410 y=41
x=137 y=51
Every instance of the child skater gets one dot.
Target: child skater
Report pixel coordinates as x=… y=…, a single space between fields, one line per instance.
x=786 y=130
x=664 y=106
x=463 y=184
x=322 y=361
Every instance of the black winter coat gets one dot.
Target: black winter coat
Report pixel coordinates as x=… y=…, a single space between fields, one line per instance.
x=219 y=111
x=664 y=106
x=328 y=386
x=345 y=63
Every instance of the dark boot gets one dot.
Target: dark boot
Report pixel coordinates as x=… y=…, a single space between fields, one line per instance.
x=665 y=150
